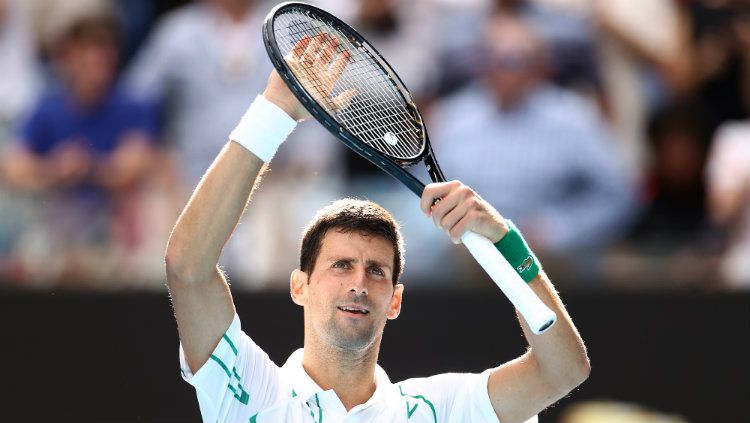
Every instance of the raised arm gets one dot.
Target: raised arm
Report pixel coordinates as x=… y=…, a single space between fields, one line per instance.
x=556 y=361
x=200 y=295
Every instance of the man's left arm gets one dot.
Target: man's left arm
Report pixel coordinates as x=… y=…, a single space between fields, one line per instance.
x=556 y=361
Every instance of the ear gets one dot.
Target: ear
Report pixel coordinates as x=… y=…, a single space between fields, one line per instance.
x=395 y=309
x=298 y=287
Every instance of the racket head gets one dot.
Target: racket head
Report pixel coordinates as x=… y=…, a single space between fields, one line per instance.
x=381 y=121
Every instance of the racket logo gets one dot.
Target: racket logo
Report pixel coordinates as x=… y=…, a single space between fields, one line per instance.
x=390 y=138
x=525 y=265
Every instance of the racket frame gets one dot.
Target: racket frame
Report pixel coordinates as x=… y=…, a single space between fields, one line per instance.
x=391 y=165
x=539 y=317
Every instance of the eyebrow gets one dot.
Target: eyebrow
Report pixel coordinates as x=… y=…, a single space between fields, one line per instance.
x=368 y=262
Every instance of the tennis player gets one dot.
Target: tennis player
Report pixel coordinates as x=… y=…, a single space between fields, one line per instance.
x=351 y=259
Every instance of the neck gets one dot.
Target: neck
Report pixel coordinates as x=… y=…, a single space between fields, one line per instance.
x=351 y=374
x=88 y=97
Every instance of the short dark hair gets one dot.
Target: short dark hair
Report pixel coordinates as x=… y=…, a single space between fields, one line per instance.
x=102 y=28
x=348 y=215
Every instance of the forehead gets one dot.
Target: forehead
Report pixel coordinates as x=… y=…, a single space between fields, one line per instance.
x=357 y=245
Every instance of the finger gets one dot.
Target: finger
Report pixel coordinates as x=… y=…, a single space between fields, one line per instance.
x=326 y=54
x=446 y=204
x=450 y=220
x=312 y=49
x=300 y=46
x=433 y=192
x=343 y=100
x=460 y=228
x=337 y=68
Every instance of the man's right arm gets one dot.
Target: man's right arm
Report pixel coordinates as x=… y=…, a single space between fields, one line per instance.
x=200 y=294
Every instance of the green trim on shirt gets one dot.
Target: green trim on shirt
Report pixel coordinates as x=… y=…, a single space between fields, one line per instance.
x=231 y=344
x=221 y=363
x=320 y=410
x=418 y=397
x=242 y=396
x=410 y=411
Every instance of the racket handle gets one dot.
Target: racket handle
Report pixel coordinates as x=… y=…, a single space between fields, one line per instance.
x=537 y=314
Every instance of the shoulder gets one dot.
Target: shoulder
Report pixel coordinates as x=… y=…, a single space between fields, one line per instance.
x=437 y=392
x=452 y=396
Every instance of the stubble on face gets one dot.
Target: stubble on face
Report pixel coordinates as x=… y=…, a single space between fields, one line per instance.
x=338 y=329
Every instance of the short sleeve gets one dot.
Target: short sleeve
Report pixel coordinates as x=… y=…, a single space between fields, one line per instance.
x=455 y=397
x=237 y=381
x=472 y=400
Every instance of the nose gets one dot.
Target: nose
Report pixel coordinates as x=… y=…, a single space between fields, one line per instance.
x=358 y=283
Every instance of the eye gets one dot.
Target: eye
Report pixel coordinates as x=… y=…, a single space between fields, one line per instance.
x=341 y=264
x=377 y=271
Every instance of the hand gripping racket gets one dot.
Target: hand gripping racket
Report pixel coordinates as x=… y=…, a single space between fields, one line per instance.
x=349 y=88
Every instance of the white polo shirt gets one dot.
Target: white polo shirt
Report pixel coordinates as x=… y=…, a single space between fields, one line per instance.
x=239 y=383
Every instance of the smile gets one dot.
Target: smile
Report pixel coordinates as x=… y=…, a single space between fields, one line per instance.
x=354 y=309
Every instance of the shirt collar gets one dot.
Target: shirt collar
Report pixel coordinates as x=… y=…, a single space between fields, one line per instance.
x=306 y=388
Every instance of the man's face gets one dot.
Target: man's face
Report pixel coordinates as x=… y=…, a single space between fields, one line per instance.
x=514 y=63
x=350 y=295
x=90 y=64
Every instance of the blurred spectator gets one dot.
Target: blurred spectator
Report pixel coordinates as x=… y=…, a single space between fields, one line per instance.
x=721 y=63
x=566 y=27
x=728 y=180
x=673 y=243
x=645 y=60
x=674 y=210
x=204 y=63
x=20 y=71
x=404 y=31
x=85 y=150
x=19 y=84
x=540 y=154
x=568 y=31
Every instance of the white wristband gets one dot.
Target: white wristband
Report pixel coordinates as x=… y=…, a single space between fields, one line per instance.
x=263 y=128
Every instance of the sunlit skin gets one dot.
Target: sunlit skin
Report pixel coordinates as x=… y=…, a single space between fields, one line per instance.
x=353 y=270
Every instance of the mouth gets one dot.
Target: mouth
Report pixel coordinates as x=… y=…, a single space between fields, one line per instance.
x=354 y=310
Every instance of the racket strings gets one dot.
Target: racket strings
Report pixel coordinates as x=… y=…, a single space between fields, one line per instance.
x=378 y=114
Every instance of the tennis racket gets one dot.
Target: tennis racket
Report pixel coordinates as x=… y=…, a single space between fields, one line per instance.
x=352 y=91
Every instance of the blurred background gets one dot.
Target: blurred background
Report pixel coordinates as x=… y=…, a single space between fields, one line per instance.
x=616 y=135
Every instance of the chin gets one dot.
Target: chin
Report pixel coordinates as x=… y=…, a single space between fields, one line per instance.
x=349 y=340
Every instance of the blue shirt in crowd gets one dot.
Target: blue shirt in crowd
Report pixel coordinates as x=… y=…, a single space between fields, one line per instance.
x=101 y=128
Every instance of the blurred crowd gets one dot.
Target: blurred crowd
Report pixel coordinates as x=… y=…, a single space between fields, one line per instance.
x=614 y=133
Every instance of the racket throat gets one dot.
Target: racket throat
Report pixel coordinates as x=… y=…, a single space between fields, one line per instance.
x=436 y=174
